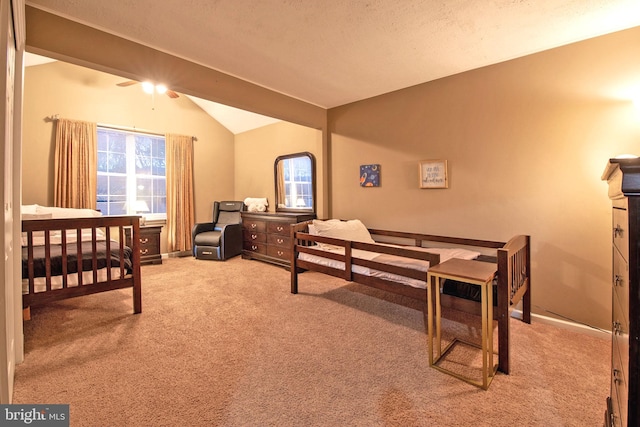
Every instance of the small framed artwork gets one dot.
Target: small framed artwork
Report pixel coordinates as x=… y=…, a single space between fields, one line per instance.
x=433 y=174
x=370 y=176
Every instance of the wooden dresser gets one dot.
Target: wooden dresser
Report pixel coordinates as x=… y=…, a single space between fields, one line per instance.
x=149 y=244
x=266 y=235
x=623 y=177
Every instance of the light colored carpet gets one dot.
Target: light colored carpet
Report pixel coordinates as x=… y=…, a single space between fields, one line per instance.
x=227 y=344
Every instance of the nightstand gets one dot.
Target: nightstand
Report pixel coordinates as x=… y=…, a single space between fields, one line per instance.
x=149 y=244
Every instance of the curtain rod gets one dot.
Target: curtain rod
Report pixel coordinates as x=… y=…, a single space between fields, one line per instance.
x=55 y=117
x=134 y=129
x=125 y=128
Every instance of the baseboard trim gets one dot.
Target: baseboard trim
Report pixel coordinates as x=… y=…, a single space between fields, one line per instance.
x=563 y=324
x=178 y=254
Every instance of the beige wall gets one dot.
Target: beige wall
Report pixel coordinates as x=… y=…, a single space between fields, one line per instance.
x=257 y=150
x=526 y=142
x=78 y=93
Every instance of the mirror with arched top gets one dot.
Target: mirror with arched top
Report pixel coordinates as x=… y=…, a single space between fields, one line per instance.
x=295 y=177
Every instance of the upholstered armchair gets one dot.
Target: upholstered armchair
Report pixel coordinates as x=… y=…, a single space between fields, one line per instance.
x=220 y=239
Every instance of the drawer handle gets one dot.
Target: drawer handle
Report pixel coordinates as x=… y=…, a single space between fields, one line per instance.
x=616 y=376
x=617 y=328
x=144 y=251
x=280 y=241
x=254 y=248
x=280 y=253
x=254 y=225
x=617 y=281
x=617 y=232
x=254 y=236
x=279 y=228
x=144 y=241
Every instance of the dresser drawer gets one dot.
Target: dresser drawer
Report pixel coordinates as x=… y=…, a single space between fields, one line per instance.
x=279 y=252
x=621 y=284
x=278 y=240
x=620 y=395
x=254 y=225
x=620 y=335
x=280 y=228
x=619 y=371
x=255 y=247
x=615 y=419
x=149 y=244
x=620 y=230
x=254 y=236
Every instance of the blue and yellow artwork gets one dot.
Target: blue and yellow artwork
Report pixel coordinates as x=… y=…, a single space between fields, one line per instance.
x=370 y=176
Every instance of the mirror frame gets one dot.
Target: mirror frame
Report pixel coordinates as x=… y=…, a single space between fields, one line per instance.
x=313 y=181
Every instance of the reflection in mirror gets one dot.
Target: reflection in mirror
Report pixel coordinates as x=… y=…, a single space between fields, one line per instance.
x=295 y=183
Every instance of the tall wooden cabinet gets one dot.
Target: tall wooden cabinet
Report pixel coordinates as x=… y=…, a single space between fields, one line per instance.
x=266 y=235
x=623 y=177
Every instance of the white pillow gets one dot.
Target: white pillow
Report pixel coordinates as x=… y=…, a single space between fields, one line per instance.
x=353 y=230
x=29 y=209
x=38 y=236
x=312 y=230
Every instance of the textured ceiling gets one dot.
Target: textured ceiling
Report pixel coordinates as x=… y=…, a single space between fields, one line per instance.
x=333 y=52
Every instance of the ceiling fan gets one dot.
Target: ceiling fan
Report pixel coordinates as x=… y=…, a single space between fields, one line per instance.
x=150 y=88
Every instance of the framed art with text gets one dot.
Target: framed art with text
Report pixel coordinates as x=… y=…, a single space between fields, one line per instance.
x=433 y=174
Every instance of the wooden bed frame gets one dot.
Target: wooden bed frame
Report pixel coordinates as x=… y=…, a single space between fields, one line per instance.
x=512 y=259
x=113 y=228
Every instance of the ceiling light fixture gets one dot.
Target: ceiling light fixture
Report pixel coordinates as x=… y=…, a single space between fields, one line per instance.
x=150 y=88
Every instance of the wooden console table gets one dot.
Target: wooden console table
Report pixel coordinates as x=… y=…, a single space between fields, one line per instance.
x=477 y=273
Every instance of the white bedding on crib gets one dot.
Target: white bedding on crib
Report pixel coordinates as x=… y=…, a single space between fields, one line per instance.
x=56 y=237
x=416 y=264
x=72 y=280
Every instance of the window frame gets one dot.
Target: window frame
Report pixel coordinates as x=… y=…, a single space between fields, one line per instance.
x=131 y=174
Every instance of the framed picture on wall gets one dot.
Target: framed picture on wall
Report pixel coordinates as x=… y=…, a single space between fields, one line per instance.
x=370 y=176
x=433 y=174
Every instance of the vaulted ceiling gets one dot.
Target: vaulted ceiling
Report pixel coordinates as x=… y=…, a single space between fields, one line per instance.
x=334 y=52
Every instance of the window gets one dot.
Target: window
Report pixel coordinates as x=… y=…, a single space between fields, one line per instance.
x=131 y=170
x=298 y=182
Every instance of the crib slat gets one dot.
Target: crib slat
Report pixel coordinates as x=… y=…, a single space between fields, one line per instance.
x=121 y=249
x=107 y=233
x=65 y=260
x=30 y=266
x=79 y=254
x=47 y=252
x=94 y=251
